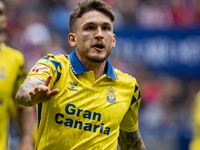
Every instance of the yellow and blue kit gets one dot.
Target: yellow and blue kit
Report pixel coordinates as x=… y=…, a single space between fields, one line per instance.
x=12 y=75
x=195 y=142
x=86 y=113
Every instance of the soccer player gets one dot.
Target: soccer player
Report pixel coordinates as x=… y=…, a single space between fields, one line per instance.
x=195 y=142
x=12 y=75
x=82 y=101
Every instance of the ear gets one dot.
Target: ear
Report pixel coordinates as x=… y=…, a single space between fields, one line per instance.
x=72 y=39
x=114 y=41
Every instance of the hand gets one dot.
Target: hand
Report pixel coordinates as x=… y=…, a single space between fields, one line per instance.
x=42 y=93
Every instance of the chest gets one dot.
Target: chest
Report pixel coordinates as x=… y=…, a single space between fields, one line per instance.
x=100 y=102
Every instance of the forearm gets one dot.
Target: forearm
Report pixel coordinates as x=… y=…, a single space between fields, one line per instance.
x=131 y=141
x=23 y=97
x=35 y=90
x=26 y=121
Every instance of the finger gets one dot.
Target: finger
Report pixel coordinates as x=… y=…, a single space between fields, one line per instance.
x=31 y=94
x=53 y=93
x=36 y=89
x=47 y=81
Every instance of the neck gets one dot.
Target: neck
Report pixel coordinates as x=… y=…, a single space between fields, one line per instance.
x=98 y=68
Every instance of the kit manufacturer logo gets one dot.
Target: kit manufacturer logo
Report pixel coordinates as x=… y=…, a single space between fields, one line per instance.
x=73 y=86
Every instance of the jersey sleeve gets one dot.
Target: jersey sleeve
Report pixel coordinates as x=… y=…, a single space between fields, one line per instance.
x=46 y=66
x=130 y=120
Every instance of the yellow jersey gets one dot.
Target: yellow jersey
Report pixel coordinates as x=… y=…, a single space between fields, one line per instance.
x=195 y=142
x=12 y=75
x=86 y=113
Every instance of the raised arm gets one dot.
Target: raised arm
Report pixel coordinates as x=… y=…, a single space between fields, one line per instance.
x=130 y=140
x=35 y=90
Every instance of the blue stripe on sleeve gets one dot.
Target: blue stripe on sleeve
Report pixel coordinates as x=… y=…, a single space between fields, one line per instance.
x=39 y=113
x=58 y=76
x=55 y=64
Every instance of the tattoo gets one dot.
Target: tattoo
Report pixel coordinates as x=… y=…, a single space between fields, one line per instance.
x=130 y=140
x=23 y=97
x=22 y=100
x=27 y=80
x=42 y=80
x=39 y=83
x=26 y=86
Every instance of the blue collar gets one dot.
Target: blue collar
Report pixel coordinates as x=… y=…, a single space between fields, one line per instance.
x=78 y=67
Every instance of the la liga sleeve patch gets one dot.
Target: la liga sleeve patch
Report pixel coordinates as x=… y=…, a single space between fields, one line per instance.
x=39 y=69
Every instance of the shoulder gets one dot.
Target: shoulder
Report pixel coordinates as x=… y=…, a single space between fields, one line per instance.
x=125 y=76
x=57 y=58
x=56 y=62
x=11 y=54
x=54 y=59
x=11 y=51
x=127 y=81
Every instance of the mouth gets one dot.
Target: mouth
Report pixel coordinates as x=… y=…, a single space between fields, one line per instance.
x=98 y=46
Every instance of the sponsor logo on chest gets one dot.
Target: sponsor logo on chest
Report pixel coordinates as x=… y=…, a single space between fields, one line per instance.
x=77 y=118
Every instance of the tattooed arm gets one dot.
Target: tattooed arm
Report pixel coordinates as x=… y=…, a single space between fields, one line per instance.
x=35 y=90
x=130 y=141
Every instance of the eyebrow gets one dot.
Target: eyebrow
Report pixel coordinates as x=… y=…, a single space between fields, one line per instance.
x=92 y=23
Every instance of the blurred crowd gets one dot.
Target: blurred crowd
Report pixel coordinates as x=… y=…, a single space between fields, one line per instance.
x=41 y=26
x=38 y=27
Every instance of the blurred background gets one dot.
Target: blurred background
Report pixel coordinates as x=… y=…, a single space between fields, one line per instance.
x=158 y=42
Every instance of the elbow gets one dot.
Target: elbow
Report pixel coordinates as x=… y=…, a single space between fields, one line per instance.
x=23 y=100
x=18 y=98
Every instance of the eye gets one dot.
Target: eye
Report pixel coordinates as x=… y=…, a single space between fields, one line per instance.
x=106 y=28
x=89 y=28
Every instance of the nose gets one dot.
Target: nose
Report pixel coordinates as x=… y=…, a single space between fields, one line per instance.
x=99 y=33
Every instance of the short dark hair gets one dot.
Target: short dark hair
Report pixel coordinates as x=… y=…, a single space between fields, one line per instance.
x=86 y=6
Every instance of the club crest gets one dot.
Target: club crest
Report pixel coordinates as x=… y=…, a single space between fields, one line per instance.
x=111 y=97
